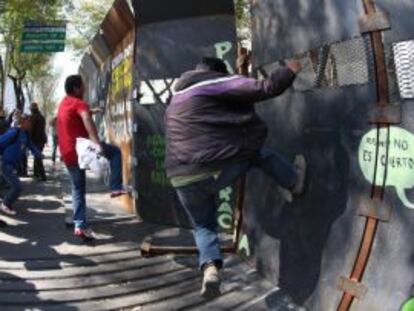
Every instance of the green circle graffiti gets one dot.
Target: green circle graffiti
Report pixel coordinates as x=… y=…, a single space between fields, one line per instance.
x=395 y=166
x=408 y=306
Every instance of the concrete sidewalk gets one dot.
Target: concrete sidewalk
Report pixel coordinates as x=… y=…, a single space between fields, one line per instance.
x=43 y=267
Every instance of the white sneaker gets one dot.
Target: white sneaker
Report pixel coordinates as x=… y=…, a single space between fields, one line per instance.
x=211 y=282
x=7 y=210
x=86 y=234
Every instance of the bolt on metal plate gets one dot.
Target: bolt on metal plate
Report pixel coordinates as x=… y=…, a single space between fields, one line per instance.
x=352 y=287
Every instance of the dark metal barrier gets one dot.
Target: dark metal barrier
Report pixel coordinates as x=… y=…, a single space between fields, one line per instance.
x=350 y=235
x=171 y=38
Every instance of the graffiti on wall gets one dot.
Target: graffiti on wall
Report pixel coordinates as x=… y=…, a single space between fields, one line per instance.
x=225 y=212
x=156 y=148
x=121 y=86
x=408 y=305
x=222 y=49
x=396 y=165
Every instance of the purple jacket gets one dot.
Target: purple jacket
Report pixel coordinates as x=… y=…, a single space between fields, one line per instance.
x=211 y=120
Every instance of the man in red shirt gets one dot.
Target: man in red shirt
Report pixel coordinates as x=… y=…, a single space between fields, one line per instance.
x=74 y=120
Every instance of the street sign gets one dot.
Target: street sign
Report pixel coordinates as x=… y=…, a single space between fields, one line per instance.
x=42 y=47
x=43 y=36
x=40 y=38
x=2 y=6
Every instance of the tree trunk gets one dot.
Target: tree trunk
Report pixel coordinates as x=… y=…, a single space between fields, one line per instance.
x=3 y=83
x=18 y=90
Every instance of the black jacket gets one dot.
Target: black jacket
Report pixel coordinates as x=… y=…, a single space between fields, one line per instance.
x=38 y=130
x=211 y=120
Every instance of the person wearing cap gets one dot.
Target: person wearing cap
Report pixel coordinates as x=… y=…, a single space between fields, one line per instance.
x=39 y=138
x=12 y=145
x=213 y=136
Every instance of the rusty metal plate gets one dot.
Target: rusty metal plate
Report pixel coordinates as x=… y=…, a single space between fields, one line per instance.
x=352 y=287
x=378 y=21
x=385 y=114
x=375 y=208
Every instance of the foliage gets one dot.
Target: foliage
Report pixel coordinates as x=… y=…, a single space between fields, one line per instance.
x=243 y=21
x=18 y=12
x=41 y=85
x=77 y=12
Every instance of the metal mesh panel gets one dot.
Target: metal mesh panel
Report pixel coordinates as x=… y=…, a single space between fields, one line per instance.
x=341 y=64
x=404 y=62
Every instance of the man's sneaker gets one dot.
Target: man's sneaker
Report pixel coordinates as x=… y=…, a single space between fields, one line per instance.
x=211 y=282
x=86 y=234
x=7 y=210
x=300 y=165
x=118 y=193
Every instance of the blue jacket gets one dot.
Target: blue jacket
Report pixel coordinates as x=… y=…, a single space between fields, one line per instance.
x=12 y=147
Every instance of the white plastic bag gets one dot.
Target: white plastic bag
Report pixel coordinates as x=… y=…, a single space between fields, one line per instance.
x=90 y=158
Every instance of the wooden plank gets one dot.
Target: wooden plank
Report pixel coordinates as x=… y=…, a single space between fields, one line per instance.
x=67 y=261
x=85 y=271
x=145 y=300
x=109 y=278
x=150 y=283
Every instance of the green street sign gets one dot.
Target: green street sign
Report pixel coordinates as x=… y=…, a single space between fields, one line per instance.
x=43 y=36
x=42 y=47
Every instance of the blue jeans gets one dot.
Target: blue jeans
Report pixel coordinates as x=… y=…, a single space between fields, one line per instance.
x=10 y=176
x=78 y=181
x=198 y=199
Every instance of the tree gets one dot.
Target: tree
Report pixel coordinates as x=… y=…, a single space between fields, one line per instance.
x=41 y=85
x=81 y=33
x=18 y=65
x=243 y=21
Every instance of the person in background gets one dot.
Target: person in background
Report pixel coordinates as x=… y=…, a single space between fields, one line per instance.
x=13 y=120
x=213 y=136
x=4 y=124
x=53 y=134
x=74 y=120
x=14 y=117
x=39 y=138
x=12 y=144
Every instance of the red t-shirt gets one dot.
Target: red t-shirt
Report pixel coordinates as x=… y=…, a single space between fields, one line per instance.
x=70 y=126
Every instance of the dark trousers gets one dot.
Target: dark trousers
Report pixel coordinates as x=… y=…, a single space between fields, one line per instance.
x=38 y=167
x=22 y=166
x=54 y=148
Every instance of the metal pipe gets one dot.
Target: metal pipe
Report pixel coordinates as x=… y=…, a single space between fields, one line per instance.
x=371 y=224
